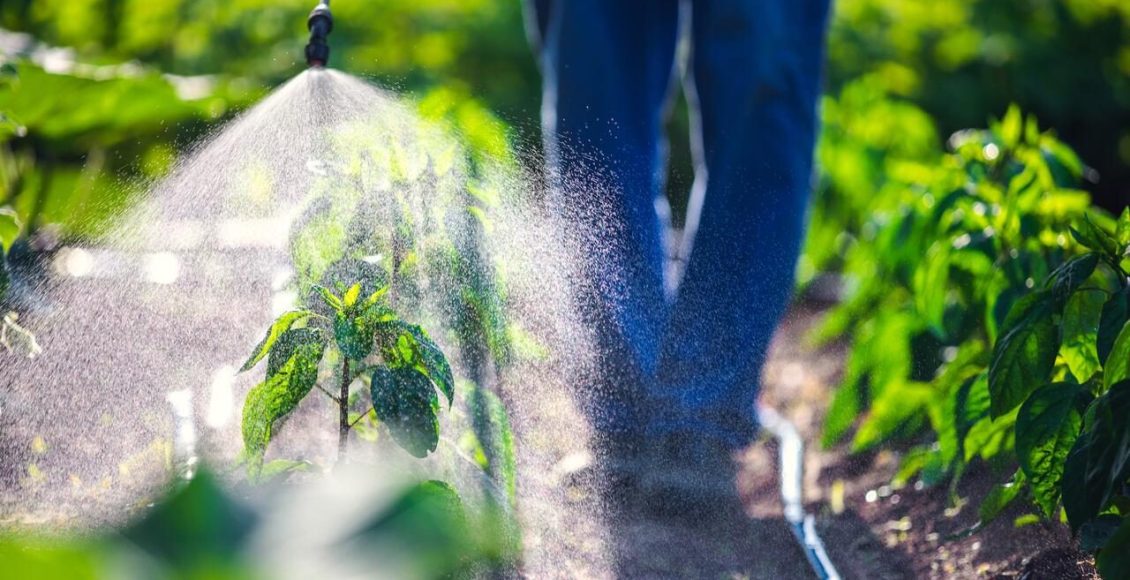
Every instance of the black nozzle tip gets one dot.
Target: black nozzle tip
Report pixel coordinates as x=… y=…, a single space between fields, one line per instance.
x=320 y=23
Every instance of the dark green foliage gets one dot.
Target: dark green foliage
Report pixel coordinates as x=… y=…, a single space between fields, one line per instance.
x=406 y=402
x=1046 y=428
x=1024 y=355
x=1099 y=463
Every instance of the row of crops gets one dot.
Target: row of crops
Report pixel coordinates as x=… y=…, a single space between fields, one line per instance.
x=986 y=305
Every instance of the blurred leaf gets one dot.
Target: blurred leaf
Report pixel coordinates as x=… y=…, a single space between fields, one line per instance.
x=196 y=531
x=9 y=229
x=1000 y=497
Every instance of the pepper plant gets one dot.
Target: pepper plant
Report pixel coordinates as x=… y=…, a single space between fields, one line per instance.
x=404 y=366
x=1063 y=363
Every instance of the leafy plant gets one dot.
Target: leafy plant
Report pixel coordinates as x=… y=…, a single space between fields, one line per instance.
x=1008 y=342
x=402 y=364
x=1064 y=360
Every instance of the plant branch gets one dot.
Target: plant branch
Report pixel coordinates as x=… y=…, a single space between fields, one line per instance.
x=328 y=394
x=363 y=415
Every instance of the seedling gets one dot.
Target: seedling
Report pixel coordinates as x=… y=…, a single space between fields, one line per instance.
x=404 y=367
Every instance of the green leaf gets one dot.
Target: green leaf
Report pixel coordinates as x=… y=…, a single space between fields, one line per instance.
x=375 y=297
x=1011 y=126
x=435 y=364
x=1095 y=238
x=281 y=325
x=1024 y=356
x=9 y=228
x=350 y=297
x=1071 y=274
x=406 y=403
x=970 y=407
x=1000 y=497
x=274 y=398
x=329 y=298
x=1079 y=329
x=1046 y=428
x=280 y=467
x=1114 y=559
x=1099 y=462
x=930 y=285
x=1116 y=312
x=287 y=344
x=895 y=407
x=1122 y=229
x=354 y=334
x=1117 y=367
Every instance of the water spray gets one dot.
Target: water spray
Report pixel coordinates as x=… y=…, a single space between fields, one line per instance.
x=320 y=23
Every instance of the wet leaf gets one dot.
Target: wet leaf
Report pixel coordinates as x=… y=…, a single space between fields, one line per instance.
x=1000 y=497
x=280 y=325
x=9 y=228
x=279 y=394
x=405 y=401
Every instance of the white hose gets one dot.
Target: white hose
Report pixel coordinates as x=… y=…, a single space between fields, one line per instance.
x=791 y=455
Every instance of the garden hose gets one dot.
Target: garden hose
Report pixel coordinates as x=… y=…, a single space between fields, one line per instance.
x=803 y=526
x=320 y=23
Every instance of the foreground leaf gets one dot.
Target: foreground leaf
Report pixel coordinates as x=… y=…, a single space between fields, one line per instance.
x=1046 y=428
x=1099 y=462
x=1118 y=362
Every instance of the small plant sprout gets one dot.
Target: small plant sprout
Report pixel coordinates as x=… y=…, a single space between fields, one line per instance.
x=404 y=366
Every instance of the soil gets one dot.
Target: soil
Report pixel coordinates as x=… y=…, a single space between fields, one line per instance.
x=872 y=530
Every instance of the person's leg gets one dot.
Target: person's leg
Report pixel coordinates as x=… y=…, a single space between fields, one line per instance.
x=756 y=78
x=607 y=67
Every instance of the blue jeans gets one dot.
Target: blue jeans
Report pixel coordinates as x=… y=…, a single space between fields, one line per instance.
x=688 y=359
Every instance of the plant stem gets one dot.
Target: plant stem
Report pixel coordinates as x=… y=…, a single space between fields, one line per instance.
x=363 y=415
x=343 y=411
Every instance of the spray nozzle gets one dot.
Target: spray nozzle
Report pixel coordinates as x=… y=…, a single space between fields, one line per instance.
x=320 y=23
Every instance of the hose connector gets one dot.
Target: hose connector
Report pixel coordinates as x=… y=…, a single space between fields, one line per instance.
x=320 y=23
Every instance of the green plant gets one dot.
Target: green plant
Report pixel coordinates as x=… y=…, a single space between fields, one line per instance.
x=402 y=364
x=987 y=315
x=1063 y=362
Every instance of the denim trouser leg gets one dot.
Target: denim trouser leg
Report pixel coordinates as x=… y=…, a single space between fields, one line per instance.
x=756 y=77
x=608 y=69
